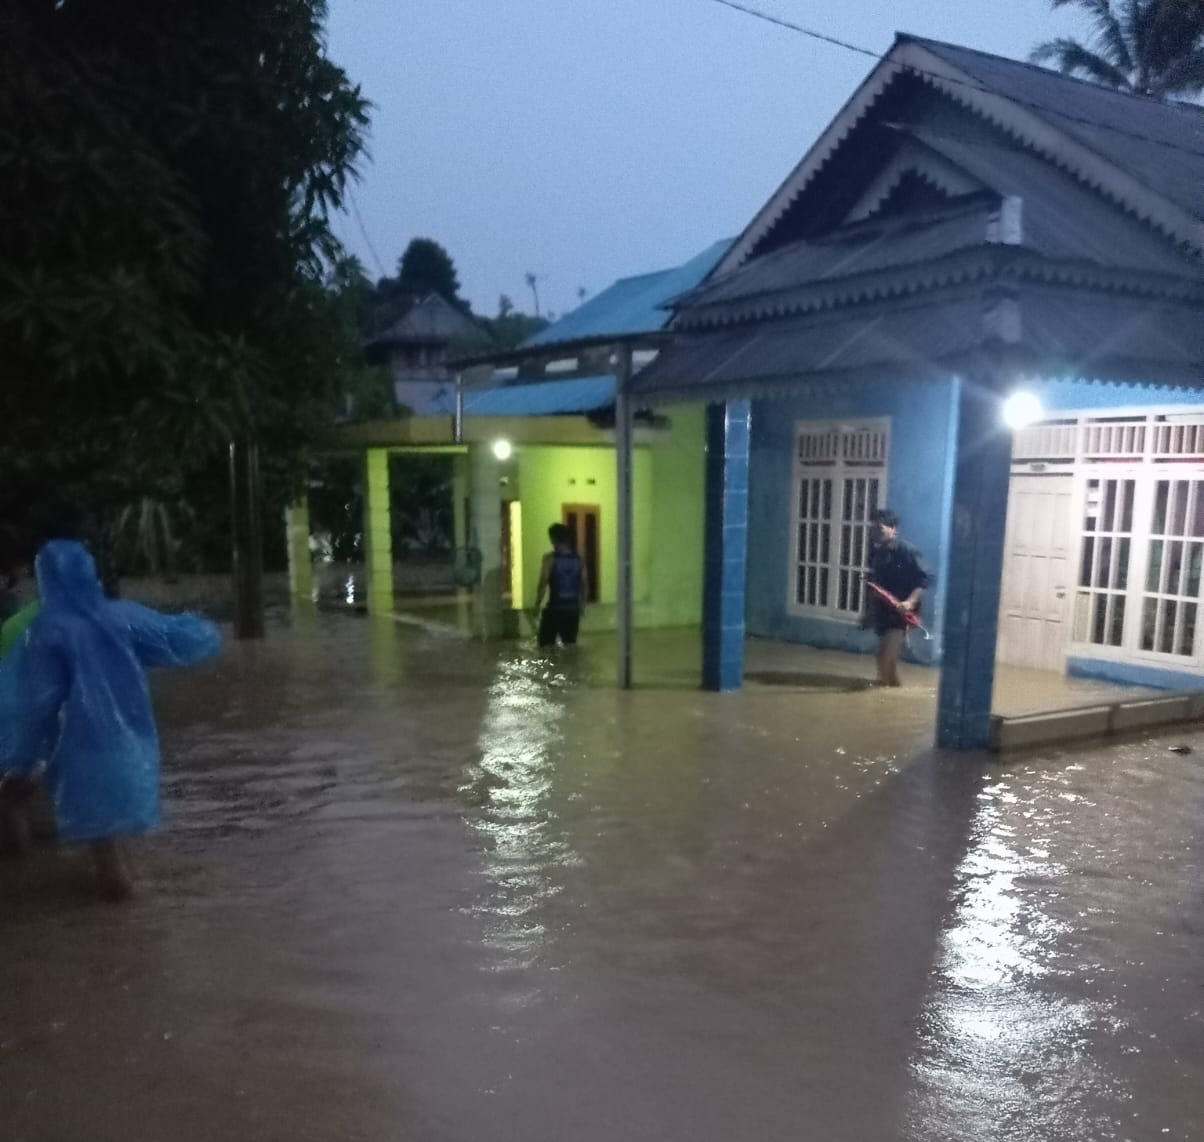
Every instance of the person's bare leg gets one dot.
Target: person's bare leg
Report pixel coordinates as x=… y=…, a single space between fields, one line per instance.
x=890 y=644
x=112 y=872
x=16 y=834
x=16 y=824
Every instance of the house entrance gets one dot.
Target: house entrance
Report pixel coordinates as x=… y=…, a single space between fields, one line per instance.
x=1037 y=574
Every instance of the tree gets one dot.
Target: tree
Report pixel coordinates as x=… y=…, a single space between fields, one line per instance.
x=510 y=328
x=168 y=171
x=1147 y=47
x=425 y=268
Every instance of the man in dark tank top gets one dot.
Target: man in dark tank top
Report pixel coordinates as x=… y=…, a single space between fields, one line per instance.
x=562 y=577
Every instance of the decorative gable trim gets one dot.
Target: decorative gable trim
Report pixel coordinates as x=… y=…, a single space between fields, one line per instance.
x=915 y=161
x=1020 y=123
x=1057 y=147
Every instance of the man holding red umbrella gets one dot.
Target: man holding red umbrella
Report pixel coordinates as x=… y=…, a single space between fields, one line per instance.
x=896 y=585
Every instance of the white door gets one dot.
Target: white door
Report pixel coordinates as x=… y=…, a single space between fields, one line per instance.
x=1037 y=576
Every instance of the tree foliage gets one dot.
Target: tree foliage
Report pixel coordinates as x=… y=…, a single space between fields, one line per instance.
x=426 y=267
x=165 y=254
x=1148 y=47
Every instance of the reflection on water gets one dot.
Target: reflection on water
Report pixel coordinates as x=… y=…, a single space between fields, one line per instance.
x=510 y=786
x=413 y=886
x=1001 y=1055
x=1037 y=1023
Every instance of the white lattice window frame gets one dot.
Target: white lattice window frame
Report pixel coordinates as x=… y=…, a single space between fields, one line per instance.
x=845 y=450
x=1148 y=444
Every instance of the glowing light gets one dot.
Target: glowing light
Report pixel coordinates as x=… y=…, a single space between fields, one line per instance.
x=1022 y=409
x=503 y=449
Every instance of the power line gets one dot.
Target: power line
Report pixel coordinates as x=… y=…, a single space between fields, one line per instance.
x=834 y=41
x=355 y=210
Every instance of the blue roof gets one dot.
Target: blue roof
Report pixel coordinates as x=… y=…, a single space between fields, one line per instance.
x=541 y=398
x=633 y=305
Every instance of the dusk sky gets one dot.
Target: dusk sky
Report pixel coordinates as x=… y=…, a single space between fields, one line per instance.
x=585 y=140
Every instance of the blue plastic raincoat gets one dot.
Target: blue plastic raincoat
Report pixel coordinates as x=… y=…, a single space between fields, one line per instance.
x=74 y=693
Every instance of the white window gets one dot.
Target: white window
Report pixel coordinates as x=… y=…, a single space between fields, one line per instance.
x=1140 y=490
x=839 y=481
x=1171 y=599
x=1107 y=547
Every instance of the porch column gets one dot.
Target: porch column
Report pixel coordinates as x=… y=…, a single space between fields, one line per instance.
x=460 y=491
x=725 y=545
x=485 y=530
x=378 y=533
x=300 y=562
x=980 y=502
x=624 y=531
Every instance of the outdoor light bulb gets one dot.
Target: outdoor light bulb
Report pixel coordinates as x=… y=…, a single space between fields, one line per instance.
x=1022 y=409
x=502 y=449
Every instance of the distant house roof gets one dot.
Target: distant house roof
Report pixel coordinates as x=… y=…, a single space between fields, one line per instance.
x=632 y=305
x=547 y=398
x=433 y=320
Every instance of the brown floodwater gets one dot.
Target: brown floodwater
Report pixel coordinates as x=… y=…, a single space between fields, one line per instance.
x=414 y=887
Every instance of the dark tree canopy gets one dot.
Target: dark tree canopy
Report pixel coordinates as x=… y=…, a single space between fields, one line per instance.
x=425 y=268
x=168 y=170
x=1148 y=47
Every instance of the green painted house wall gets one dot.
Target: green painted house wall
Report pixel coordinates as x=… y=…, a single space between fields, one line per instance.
x=667 y=519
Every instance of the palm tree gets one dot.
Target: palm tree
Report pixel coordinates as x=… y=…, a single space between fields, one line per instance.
x=1148 y=47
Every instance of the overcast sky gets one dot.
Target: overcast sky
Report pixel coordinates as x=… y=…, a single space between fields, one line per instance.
x=585 y=140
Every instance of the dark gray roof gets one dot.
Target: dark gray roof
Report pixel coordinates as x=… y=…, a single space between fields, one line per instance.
x=432 y=320
x=1161 y=144
x=862 y=248
x=1063 y=220
x=1060 y=332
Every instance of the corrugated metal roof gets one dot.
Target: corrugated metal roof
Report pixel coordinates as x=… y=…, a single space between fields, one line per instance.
x=432 y=319
x=543 y=398
x=863 y=248
x=1061 y=218
x=1070 y=332
x=919 y=336
x=1161 y=144
x=1087 y=334
x=632 y=305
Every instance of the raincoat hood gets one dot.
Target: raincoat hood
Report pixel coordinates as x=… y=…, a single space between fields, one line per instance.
x=67 y=578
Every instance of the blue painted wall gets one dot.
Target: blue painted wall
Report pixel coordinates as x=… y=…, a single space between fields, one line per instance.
x=1132 y=673
x=919 y=479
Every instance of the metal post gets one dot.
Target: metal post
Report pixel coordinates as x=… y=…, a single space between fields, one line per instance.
x=623 y=483
x=458 y=417
x=246 y=517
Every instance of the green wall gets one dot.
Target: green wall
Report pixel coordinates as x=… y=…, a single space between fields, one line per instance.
x=667 y=504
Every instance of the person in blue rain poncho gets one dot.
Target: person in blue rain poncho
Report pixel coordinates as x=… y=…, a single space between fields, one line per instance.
x=74 y=695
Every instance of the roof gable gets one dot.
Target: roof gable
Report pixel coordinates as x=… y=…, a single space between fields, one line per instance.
x=994 y=91
x=432 y=319
x=1159 y=142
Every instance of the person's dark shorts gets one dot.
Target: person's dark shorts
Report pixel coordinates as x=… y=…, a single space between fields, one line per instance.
x=559 y=622
x=885 y=617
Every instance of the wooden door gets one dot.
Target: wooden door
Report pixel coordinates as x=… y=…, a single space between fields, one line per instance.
x=584 y=522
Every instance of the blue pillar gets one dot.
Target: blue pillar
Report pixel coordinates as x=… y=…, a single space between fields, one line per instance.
x=726 y=545
x=980 y=503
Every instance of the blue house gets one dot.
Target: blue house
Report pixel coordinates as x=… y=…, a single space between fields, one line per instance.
x=970 y=239
x=969 y=234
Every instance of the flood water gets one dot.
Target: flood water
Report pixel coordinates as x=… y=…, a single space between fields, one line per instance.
x=413 y=887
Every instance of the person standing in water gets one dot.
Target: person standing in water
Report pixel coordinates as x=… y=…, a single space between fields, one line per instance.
x=895 y=566
x=563 y=578
x=74 y=694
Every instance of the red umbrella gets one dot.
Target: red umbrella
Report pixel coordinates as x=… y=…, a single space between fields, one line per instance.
x=909 y=617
